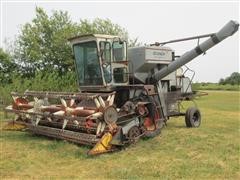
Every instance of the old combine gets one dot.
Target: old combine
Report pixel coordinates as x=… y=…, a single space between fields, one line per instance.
x=125 y=93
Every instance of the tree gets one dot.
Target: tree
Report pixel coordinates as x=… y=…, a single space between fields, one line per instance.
x=102 y=26
x=43 y=46
x=222 y=81
x=7 y=67
x=105 y=26
x=234 y=79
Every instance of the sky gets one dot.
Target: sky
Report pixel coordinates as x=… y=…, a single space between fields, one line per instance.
x=149 y=22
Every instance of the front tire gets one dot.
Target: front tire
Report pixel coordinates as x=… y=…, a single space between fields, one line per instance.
x=193 y=117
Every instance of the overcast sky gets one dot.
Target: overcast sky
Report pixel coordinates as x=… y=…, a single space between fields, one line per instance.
x=150 y=22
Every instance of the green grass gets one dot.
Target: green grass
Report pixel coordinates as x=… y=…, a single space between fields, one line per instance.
x=208 y=152
x=215 y=86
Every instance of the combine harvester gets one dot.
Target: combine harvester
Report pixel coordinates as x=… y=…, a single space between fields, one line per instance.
x=125 y=93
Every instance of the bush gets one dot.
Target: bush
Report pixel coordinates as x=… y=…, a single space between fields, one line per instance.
x=43 y=81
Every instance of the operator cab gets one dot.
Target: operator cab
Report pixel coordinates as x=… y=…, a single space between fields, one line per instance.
x=101 y=61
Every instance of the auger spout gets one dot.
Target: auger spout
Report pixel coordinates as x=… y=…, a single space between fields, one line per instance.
x=228 y=30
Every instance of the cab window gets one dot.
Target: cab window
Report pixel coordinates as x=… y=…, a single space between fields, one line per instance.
x=105 y=53
x=119 y=51
x=105 y=50
x=120 y=75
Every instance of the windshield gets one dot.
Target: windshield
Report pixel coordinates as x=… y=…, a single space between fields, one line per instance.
x=88 y=67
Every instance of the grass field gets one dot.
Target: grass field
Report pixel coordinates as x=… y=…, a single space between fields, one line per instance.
x=209 y=152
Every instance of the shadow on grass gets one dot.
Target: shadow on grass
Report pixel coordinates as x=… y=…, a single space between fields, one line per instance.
x=61 y=147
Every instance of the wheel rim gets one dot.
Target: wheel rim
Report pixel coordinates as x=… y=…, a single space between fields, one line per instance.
x=196 y=118
x=133 y=132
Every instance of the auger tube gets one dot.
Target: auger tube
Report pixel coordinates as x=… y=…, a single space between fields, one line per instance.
x=228 y=30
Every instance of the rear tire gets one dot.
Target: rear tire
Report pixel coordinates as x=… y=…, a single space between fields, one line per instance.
x=193 y=117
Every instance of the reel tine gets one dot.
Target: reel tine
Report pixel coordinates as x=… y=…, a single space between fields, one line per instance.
x=72 y=101
x=76 y=122
x=97 y=103
x=101 y=101
x=59 y=113
x=14 y=98
x=64 y=103
x=37 y=120
x=109 y=97
x=65 y=121
x=103 y=126
x=95 y=115
x=49 y=119
x=35 y=99
x=111 y=101
x=99 y=128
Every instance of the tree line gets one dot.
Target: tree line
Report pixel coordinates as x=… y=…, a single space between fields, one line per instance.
x=42 y=45
x=233 y=79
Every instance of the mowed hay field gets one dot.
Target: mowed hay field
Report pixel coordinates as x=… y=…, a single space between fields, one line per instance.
x=208 y=152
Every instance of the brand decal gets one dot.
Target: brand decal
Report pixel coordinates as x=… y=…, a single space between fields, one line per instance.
x=159 y=53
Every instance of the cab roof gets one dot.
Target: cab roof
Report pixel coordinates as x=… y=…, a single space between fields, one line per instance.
x=105 y=36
